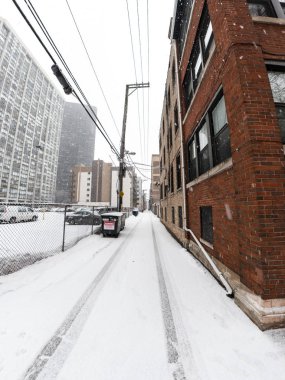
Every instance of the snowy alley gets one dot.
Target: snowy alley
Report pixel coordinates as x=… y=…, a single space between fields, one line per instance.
x=139 y=307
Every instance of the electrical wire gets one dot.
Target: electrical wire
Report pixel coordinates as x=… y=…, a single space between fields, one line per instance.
x=148 y=77
x=50 y=40
x=141 y=63
x=93 y=69
x=130 y=159
x=136 y=77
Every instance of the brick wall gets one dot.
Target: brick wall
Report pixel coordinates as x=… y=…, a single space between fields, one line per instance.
x=252 y=241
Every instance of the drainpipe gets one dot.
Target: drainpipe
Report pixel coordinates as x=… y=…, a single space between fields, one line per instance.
x=230 y=292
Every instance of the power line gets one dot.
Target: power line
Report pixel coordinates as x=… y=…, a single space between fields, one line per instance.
x=136 y=77
x=130 y=159
x=148 y=77
x=50 y=40
x=141 y=62
x=93 y=69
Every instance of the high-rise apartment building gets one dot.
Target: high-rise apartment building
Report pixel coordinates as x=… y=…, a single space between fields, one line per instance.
x=31 y=113
x=77 y=144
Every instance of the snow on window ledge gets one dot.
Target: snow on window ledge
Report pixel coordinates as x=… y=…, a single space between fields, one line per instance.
x=269 y=20
x=214 y=171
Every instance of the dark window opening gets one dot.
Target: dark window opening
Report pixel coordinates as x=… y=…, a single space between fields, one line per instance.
x=176 y=118
x=181 y=22
x=173 y=74
x=206 y=223
x=173 y=214
x=178 y=172
x=280 y=109
x=170 y=136
x=180 y=217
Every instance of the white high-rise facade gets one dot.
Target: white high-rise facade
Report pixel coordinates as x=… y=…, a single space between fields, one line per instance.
x=31 y=112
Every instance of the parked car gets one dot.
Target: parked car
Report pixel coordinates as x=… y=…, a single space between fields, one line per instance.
x=84 y=217
x=13 y=214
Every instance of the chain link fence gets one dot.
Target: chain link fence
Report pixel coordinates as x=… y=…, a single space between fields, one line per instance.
x=29 y=233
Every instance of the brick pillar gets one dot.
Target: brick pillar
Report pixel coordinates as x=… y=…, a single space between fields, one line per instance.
x=259 y=174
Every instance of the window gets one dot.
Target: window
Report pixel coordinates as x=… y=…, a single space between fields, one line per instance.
x=199 y=56
x=221 y=134
x=178 y=172
x=261 y=8
x=266 y=8
x=170 y=136
x=173 y=214
x=161 y=192
x=161 y=213
x=171 y=179
x=175 y=118
x=203 y=149
x=173 y=74
x=192 y=158
x=277 y=83
x=206 y=223
x=165 y=214
x=210 y=144
x=181 y=23
x=180 y=217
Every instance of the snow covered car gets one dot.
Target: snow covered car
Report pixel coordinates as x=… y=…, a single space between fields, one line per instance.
x=13 y=214
x=84 y=217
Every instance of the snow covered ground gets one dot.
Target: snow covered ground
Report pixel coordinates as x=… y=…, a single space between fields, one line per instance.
x=137 y=307
x=24 y=243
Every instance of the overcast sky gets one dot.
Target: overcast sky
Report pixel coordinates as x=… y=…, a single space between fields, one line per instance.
x=104 y=26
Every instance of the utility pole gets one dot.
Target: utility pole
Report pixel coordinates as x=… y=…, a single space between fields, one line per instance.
x=133 y=87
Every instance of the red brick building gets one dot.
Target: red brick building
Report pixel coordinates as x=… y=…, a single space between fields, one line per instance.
x=231 y=73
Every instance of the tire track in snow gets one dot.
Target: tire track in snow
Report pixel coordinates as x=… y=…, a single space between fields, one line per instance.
x=180 y=355
x=50 y=360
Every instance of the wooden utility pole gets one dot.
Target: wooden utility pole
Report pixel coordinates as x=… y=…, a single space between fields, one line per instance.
x=134 y=87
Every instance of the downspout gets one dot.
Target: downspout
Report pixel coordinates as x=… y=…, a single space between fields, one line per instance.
x=230 y=292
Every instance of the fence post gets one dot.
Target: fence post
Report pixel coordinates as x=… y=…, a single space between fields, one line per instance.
x=92 y=220
x=63 y=238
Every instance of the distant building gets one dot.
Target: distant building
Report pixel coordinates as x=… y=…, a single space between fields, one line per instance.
x=140 y=203
x=101 y=181
x=31 y=113
x=129 y=184
x=81 y=184
x=77 y=143
x=154 y=196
